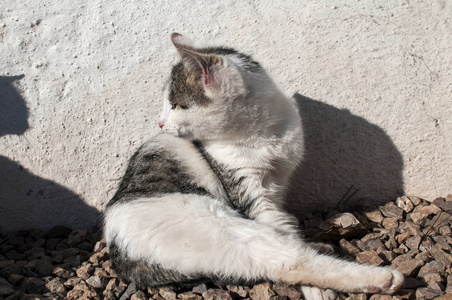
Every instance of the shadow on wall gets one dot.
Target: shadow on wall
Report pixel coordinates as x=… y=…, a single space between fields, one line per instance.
x=343 y=153
x=27 y=200
x=13 y=111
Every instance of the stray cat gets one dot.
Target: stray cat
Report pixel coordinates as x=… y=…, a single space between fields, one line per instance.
x=204 y=201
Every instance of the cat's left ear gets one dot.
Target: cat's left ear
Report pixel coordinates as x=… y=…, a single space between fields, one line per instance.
x=207 y=64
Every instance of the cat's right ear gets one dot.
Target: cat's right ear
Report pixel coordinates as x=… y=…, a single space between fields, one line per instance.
x=195 y=61
x=180 y=41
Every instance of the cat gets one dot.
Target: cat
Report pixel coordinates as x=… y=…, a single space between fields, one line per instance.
x=204 y=199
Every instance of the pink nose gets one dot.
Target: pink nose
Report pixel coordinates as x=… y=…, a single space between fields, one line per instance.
x=161 y=124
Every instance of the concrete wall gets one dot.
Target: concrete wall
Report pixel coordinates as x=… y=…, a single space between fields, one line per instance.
x=81 y=82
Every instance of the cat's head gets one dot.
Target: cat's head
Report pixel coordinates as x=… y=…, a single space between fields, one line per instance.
x=209 y=90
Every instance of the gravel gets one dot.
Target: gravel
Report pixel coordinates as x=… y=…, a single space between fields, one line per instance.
x=410 y=234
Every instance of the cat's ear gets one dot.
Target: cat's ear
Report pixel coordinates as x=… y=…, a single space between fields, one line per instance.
x=195 y=61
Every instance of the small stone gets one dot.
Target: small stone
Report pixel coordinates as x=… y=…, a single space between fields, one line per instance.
x=416 y=200
x=357 y=296
x=99 y=257
x=70 y=252
x=85 y=271
x=390 y=223
x=427 y=244
x=432 y=277
x=404 y=294
x=86 y=246
x=39 y=267
x=15 y=279
x=167 y=293
x=449 y=284
x=6 y=288
x=82 y=291
x=8 y=267
x=431 y=209
x=440 y=255
x=200 y=289
x=387 y=255
x=262 y=291
x=431 y=267
x=101 y=272
x=443 y=204
x=410 y=267
x=374 y=216
x=427 y=293
x=344 y=220
x=76 y=237
x=401 y=238
x=33 y=285
x=109 y=295
x=189 y=296
x=378 y=235
x=290 y=291
x=348 y=248
x=116 y=287
x=380 y=297
x=390 y=210
x=442 y=242
x=57 y=257
x=14 y=255
x=106 y=265
x=242 y=291
x=100 y=245
x=58 y=232
x=152 y=290
x=72 y=282
x=50 y=244
x=413 y=242
x=97 y=282
x=217 y=294
x=401 y=258
x=73 y=261
x=374 y=245
x=417 y=217
x=54 y=296
x=35 y=253
x=424 y=256
x=444 y=297
x=139 y=295
x=39 y=243
x=36 y=234
x=60 y=272
x=405 y=203
x=449 y=198
x=370 y=258
x=403 y=248
x=56 y=285
x=445 y=230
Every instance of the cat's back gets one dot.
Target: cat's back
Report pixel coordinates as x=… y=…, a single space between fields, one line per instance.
x=165 y=165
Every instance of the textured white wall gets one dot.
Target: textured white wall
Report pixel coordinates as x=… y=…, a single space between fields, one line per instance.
x=81 y=81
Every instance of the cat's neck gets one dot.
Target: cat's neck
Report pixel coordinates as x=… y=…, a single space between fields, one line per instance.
x=260 y=146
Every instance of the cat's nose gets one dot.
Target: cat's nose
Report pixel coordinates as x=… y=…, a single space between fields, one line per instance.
x=161 y=124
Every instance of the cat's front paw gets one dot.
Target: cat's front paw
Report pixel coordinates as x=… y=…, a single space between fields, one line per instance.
x=386 y=281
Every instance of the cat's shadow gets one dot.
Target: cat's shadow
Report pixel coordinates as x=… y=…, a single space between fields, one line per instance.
x=27 y=200
x=343 y=153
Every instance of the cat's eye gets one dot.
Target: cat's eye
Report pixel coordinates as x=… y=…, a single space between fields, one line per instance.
x=176 y=105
